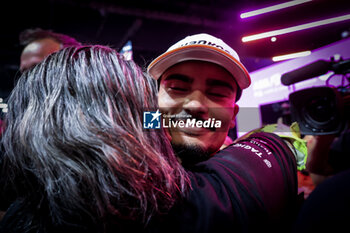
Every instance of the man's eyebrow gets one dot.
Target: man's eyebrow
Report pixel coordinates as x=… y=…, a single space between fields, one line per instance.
x=179 y=77
x=219 y=83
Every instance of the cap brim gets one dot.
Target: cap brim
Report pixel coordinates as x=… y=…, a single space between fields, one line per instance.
x=200 y=53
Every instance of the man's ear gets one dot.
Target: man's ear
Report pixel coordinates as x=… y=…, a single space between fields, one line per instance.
x=233 y=120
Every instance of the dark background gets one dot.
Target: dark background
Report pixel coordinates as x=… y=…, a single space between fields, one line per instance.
x=154 y=25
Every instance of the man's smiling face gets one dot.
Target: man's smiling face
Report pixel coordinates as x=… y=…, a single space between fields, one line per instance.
x=203 y=90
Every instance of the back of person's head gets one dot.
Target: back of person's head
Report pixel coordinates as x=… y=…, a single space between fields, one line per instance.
x=32 y=34
x=75 y=128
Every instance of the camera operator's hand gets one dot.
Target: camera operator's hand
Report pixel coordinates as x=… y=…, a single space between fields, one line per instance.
x=318 y=156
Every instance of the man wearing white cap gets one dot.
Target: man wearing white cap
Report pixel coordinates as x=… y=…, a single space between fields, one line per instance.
x=250 y=185
x=202 y=77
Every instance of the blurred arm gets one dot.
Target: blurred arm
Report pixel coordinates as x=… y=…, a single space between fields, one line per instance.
x=318 y=157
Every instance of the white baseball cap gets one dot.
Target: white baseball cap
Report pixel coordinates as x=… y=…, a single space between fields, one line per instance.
x=202 y=47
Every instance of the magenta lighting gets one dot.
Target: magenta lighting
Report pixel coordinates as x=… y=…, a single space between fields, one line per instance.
x=295 y=28
x=272 y=8
x=291 y=56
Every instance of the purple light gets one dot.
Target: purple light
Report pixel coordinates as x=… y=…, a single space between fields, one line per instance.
x=272 y=8
x=295 y=28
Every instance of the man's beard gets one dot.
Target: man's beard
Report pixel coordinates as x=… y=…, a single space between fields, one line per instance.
x=190 y=155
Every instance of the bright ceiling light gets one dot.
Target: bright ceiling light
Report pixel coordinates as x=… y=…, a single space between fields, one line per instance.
x=295 y=28
x=291 y=55
x=272 y=8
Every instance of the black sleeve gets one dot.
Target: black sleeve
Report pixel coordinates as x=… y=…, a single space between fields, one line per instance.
x=249 y=186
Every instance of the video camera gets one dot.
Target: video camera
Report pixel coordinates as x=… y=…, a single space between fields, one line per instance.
x=320 y=110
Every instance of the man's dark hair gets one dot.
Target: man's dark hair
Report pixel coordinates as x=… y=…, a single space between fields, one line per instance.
x=29 y=35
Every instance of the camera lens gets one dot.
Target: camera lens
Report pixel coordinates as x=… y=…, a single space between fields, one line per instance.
x=320 y=110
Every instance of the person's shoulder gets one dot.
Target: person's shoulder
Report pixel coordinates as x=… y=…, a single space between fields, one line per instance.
x=267 y=142
x=260 y=153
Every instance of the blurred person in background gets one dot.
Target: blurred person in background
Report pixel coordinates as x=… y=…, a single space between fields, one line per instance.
x=38 y=44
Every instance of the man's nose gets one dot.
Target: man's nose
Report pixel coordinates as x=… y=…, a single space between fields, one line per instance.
x=196 y=104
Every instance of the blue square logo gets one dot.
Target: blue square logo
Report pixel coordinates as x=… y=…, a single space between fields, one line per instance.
x=151 y=120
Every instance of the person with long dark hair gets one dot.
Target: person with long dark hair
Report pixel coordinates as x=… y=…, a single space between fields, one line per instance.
x=76 y=151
